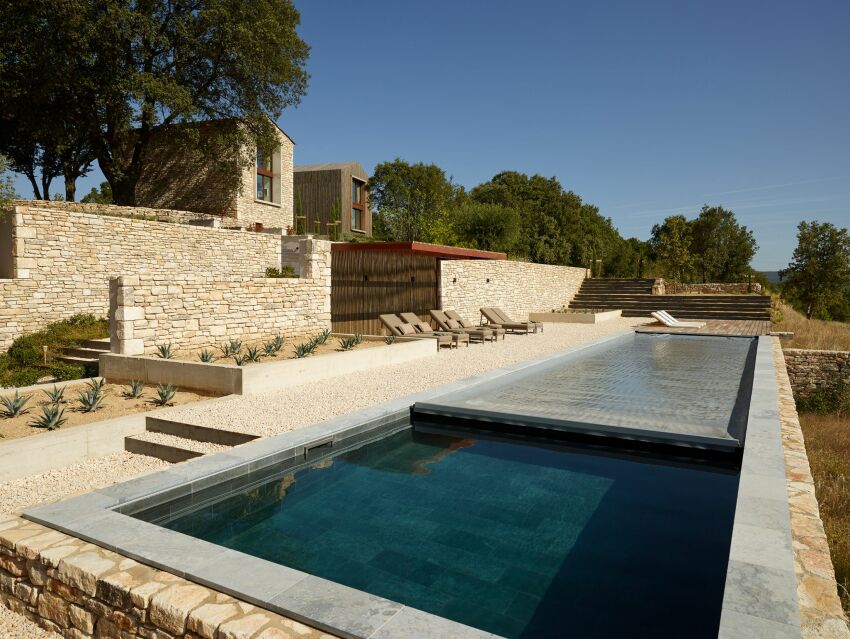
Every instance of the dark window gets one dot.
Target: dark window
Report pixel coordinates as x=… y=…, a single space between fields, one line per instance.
x=356 y=192
x=356 y=219
x=264 y=175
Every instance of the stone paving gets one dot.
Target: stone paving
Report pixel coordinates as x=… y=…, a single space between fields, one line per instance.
x=821 y=615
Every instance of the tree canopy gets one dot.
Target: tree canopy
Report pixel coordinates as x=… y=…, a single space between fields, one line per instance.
x=7 y=188
x=671 y=242
x=488 y=227
x=818 y=278
x=122 y=68
x=722 y=248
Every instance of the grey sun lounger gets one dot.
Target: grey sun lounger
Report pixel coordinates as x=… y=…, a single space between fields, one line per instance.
x=496 y=328
x=480 y=333
x=424 y=328
x=393 y=324
x=495 y=315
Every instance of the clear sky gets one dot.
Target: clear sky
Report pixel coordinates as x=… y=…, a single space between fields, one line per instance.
x=644 y=109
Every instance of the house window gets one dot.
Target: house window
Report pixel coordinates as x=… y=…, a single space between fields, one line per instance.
x=356 y=219
x=357 y=205
x=265 y=173
x=356 y=192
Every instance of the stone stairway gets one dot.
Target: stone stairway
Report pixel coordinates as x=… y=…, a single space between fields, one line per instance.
x=635 y=298
x=86 y=355
x=175 y=442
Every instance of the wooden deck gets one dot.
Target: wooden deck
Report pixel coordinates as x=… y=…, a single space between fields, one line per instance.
x=743 y=328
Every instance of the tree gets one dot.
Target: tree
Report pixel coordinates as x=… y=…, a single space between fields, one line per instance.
x=671 y=243
x=488 y=227
x=7 y=187
x=722 y=248
x=819 y=273
x=628 y=258
x=103 y=196
x=409 y=200
x=133 y=67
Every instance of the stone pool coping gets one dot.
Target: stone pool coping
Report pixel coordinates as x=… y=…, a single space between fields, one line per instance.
x=759 y=599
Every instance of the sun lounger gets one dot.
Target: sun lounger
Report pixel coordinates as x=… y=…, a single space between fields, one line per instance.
x=424 y=328
x=453 y=326
x=395 y=326
x=671 y=322
x=495 y=315
x=496 y=328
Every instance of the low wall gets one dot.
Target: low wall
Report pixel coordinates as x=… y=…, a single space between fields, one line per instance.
x=811 y=369
x=78 y=590
x=195 y=311
x=62 y=260
x=517 y=287
x=669 y=287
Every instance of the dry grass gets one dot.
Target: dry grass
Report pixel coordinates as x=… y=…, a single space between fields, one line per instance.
x=816 y=334
x=828 y=447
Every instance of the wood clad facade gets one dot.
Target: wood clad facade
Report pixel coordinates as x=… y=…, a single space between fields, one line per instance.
x=321 y=185
x=365 y=284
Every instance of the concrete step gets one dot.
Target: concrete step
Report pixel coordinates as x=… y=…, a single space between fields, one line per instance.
x=83 y=353
x=80 y=361
x=98 y=344
x=168 y=447
x=197 y=433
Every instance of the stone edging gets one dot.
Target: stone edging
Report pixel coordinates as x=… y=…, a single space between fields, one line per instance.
x=79 y=590
x=821 y=615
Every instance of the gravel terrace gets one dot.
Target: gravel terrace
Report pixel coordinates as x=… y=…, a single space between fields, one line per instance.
x=273 y=413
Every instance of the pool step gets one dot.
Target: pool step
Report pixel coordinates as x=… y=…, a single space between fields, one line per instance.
x=174 y=442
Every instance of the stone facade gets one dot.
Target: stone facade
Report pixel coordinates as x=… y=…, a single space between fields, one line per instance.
x=669 y=287
x=280 y=212
x=79 y=590
x=194 y=311
x=63 y=258
x=811 y=369
x=517 y=287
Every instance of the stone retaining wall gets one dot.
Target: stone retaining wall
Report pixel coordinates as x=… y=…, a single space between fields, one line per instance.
x=115 y=210
x=79 y=590
x=517 y=287
x=669 y=287
x=811 y=369
x=195 y=311
x=62 y=260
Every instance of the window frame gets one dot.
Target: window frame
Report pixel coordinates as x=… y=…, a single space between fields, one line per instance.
x=359 y=206
x=265 y=173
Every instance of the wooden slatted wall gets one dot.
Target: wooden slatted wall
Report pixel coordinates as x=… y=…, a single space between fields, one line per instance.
x=365 y=284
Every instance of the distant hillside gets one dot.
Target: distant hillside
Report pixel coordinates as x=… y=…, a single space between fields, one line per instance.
x=772 y=276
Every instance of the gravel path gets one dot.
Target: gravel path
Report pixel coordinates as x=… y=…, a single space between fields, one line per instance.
x=272 y=413
x=15 y=626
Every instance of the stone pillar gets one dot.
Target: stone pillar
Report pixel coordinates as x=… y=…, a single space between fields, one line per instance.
x=315 y=259
x=124 y=315
x=658 y=287
x=22 y=265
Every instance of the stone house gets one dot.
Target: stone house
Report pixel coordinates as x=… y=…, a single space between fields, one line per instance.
x=193 y=177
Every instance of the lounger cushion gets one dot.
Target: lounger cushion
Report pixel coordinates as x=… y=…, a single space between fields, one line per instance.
x=423 y=327
x=453 y=323
x=406 y=329
x=463 y=323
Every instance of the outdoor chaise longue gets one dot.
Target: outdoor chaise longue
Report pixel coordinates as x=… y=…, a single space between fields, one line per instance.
x=495 y=315
x=668 y=320
x=402 y=329
x=445 y=323
x=496 y=328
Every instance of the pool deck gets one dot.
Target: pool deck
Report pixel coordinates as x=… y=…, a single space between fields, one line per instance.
x=741 y=328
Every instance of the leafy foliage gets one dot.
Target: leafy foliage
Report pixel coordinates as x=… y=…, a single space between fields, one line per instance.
x=672 y=242
x=14 y=405
x=722 y=248
x=7 y=186
x=164 y=395
x=488 y=227
x=134 y=390
x=102 y=196
x=834 y=398
x=52 y=417
x=286 y=271
x=818 y=278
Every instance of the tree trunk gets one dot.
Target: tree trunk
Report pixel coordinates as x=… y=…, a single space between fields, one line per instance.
x=45 y=185
x=36 y=192
x=70 y=188
x=124 y=190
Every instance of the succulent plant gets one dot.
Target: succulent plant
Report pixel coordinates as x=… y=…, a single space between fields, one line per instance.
x=358 y=339
x=164 y=351
x=96 y=383
x=91 y=399
x=269 y=349
x=206 y=356
x=56 y=395
x=347 y=343
x=390 y=339
x=51 y=418
x=322 y=337
x=240 y=360
x=253 y=354
x=164 y=394
x=15 y=405
x=235 y=346
x=134 y=389
x=305 y=349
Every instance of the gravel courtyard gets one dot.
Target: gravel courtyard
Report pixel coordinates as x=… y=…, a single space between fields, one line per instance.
x=277 y=412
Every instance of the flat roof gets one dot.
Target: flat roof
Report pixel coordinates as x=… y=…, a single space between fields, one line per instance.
x=421 y=248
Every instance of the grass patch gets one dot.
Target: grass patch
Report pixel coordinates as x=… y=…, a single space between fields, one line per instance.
x=815 y=334
x=828 y=447
x=23 y=364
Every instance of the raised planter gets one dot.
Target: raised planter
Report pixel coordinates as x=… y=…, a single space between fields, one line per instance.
x=258 y=378
x=575 y=318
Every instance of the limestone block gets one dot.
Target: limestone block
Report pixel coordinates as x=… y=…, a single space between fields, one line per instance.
x=82 y=570
x=130 y=347
x=170 y=608
x=129 y=313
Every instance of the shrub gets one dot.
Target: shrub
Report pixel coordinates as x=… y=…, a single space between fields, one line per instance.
x=286 y=271
x=164 y=395
x=15 y=405
x=347 y=343
x=273 y=346
x=305 y=350
x=253 y=354
x=164 y=351
x=55 y=396
x=827 y=399
x=91 y=399
x=322 y=337
x=231 y=348
x=134 y=390
x=240 y=360
x=206 y=356
x=64 y=371
x=51 y=418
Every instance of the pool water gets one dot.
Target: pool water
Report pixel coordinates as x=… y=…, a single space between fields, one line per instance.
x=512 y=538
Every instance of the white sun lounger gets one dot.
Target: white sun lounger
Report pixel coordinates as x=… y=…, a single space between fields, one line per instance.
x=668 y=320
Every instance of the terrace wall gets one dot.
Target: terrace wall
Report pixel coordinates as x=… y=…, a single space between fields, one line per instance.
x=63 y=255
x=192 y=311
x=669 y=287
x=517 y=287
x=811 y=369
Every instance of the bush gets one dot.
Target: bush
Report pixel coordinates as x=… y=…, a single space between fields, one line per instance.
x=834 y=399
x=286 y=271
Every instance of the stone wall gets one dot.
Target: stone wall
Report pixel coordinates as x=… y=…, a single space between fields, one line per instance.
x=669 y=287
x=517 y=287
x=811 y=369
x=195 y=311
x=114 y=210
x=79 y=590
x=280 y=212
x=63 y=259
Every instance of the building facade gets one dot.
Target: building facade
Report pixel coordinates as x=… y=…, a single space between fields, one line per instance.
x=322 y=188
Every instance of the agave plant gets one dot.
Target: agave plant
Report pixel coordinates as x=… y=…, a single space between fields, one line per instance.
x=253 y=354
x=15 y=405
x=269 y=349
x=51 y=418
x=96 y=383
x=347 y=343
x=322 y=337
x=134 y=389
x=235 y=346
x=390 y=339
x=164 y=394
x=164 y=351
x=91 y=400
x=358 y=339
x=206 y=356
x=55 y=396
x=240 y=360
x=304 y=350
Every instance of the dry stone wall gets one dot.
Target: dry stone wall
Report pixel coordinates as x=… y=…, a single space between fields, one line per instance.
x=669 y=287
x=517 y=287
x=63 y=258
x=195 y=311
x=79 y=590
x=811 y=369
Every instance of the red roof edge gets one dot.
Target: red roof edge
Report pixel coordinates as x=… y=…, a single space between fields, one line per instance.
x=420 y=248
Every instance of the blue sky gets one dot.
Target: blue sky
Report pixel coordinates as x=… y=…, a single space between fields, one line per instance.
x=645 y=109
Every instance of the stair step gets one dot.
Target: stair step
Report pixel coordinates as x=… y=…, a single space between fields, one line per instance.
x=169 y=448
x=197 y=433
x=82 y=361
x=85 y=353
x=98 y=344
